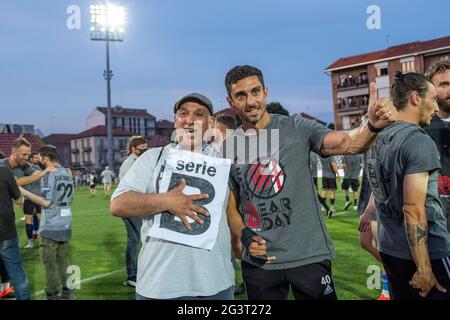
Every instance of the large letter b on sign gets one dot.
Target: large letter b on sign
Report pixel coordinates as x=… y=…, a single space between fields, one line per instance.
x=168 y=220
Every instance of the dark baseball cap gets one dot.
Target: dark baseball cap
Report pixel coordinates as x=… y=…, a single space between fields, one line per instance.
x=194 y=97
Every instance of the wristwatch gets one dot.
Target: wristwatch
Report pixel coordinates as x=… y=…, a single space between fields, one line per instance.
x=370 y=126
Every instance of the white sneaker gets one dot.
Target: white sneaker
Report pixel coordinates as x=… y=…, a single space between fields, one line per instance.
x=355 y=207
x=22 y=219
x=129 y=283
x=29 y=246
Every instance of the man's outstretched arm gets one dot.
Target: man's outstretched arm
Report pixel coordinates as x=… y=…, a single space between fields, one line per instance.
x=34 y=198
x=381 y=113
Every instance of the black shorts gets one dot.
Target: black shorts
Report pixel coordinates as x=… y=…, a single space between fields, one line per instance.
x=31 y=208
x=92 y=186
x=401 y=271
x=353 y=183
x=312 y=281
x=329 y=184
x=3 y=274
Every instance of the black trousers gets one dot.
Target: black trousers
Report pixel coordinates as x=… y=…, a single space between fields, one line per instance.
x=3 y=274
x=401 y=271
x=312 y=281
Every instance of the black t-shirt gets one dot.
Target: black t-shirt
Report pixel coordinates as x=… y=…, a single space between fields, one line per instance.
x=439 y=130
x=8 y=191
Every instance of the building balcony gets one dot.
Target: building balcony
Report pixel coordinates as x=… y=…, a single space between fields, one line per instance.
x=75 y=151
x=87 y=149
x=354 y=108
x=351 y=86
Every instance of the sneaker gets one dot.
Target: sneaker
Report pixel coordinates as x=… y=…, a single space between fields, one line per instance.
x=355 y=208
x=347 y=205
x=129 y=283
x=8 y=294
x=383 y=297
x=22 y=219
x=240 y=289
x=330 y=212
x=29 y=246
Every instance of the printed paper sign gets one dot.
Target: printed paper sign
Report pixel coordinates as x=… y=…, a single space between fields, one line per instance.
x=203 y=174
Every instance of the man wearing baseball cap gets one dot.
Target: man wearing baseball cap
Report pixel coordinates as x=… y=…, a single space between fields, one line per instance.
x=169 y=270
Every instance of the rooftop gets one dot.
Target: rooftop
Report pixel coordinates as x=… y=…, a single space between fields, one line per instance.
x=101 y=131
x=391 y=53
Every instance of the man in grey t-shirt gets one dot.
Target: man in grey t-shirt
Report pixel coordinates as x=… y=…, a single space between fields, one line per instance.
x=28 y=177
x=56 y=224
x=352 y=169
x=314 y=161
x=107 y=176
x=403 y=167
x=166 y=269
x=273 y=206
x=329 y=186
x=136 y=147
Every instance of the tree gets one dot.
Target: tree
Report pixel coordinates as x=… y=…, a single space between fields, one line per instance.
x=277 y=108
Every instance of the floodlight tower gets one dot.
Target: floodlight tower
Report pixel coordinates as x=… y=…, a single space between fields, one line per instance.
x=108 y=22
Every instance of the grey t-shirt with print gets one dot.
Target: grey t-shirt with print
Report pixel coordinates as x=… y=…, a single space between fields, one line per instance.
x=401 y=149
x=327 y=170
x=277 y=196
x=352 y=166
x=166 y=269
x=56 y=220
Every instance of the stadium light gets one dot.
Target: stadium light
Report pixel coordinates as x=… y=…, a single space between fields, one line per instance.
x=109 y=18
x=108 y=24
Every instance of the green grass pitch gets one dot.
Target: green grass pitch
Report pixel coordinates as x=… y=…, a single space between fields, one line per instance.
x=98 y=248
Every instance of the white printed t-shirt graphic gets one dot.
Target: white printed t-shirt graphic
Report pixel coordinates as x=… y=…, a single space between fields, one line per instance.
x=203 y=174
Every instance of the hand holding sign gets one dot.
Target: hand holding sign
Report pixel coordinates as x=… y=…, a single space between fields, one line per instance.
x=183 y=206
x=194 y=185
